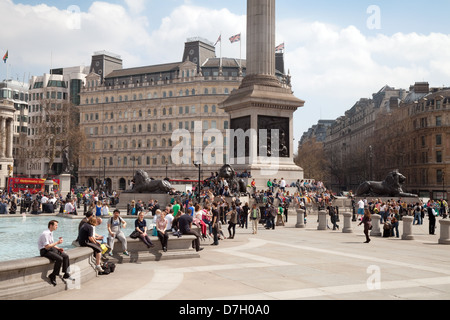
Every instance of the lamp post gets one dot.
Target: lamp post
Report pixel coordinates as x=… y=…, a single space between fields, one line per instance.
x=167 y=166
x=198 y=164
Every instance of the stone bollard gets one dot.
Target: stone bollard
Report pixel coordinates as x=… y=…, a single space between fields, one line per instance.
x=407 y=228
x=376 y=232
x=322 y=220
x=300 y=219
x=445 y=232
x=347 y=222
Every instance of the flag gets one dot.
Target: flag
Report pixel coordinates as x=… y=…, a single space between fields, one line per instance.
x=5 y=57
x=235 y=38
x=218 y=40
x=280 y=47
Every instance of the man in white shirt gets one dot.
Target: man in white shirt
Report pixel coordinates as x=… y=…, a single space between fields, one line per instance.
x=282 y=184
x=69 y=207
x=49 y=248
x=361 y=206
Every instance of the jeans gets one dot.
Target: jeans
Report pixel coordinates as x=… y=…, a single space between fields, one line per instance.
x=395 y=228
x=418 y=217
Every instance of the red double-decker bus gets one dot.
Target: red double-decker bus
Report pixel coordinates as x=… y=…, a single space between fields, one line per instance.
x=33 y=186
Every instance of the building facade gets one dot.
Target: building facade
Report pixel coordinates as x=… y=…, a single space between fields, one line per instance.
x=350 y=139
x=418 y=141
x=52 y=99
x=14 y=93
x=129 y=116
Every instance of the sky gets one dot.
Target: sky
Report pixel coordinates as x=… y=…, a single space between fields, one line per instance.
x=337 y=52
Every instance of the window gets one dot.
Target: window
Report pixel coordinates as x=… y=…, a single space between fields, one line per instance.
x=439 y=156
x=439 y=176
x=439 y=140
x=438 y=121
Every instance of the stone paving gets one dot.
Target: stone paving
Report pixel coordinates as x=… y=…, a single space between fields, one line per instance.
x=288 y=264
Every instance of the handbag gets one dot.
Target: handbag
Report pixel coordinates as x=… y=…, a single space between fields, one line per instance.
x=134 y=234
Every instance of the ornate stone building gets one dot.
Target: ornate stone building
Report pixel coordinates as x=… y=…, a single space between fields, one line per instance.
x=130 y=115
x=349 y=141
x=7 y=112
x=415 y=138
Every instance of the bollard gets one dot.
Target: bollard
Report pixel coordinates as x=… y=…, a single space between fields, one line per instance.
x=407 y=228
x=445 y=232
x=376 y=232
x=300 y=219
x=322 y=220
x=347 y=222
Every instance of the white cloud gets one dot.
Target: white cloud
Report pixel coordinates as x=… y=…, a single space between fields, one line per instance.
x=331 y=67
x=136 y=6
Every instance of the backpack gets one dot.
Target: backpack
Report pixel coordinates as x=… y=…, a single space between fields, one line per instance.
x=108 y=267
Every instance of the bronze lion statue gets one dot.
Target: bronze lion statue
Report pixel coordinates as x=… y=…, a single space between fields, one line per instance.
x=235 y=184
x=143 y=184
x=390 y=187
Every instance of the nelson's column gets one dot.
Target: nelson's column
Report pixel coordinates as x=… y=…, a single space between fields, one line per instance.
x=263 y=106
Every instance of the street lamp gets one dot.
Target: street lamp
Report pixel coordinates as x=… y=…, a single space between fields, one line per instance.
x=167 y=166
x=198 y=164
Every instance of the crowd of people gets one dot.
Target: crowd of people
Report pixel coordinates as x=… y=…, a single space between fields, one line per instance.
x=204 y=216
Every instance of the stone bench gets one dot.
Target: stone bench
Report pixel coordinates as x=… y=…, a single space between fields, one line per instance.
x=26 y=279
x=177 y=248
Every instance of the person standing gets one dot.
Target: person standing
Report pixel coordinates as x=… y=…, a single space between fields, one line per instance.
x=367 y=221
x=215 y=224
x=431 y=218
x=255 y=215
x=232 y=222
x=417 y=214
x=361 y=206
x=48 y=248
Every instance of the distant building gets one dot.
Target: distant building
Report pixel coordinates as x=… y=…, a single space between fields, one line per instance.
x=351 y=137
x=14 y=94
x=129 y=115
x=60 y=87
x=414 y=137
x=317 y=132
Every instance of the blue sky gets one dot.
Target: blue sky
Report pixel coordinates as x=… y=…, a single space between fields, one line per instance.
x=333 y=55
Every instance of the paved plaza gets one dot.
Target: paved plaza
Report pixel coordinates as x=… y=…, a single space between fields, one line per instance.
x=287 y=264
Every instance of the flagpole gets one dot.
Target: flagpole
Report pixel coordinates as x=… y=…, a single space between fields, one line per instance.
x=240 y=49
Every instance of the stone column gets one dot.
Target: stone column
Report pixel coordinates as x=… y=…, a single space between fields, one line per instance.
x=3 y=137
x=407 y=228
x=261 y=37
x=445 y=232
x=9 y=138
x=376 y=232
x=322 y=220
x=300 y=219
x=347 y=222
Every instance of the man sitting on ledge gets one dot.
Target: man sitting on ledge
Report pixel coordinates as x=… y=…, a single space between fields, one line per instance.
x=185 y=225
x=49 y=248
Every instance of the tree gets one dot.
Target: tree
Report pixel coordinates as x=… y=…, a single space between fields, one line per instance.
x=58 y=135
x=311 y=157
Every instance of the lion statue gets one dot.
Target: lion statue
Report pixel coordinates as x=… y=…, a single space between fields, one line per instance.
x=143 y=184
x=235 y=184
x=390 y=187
